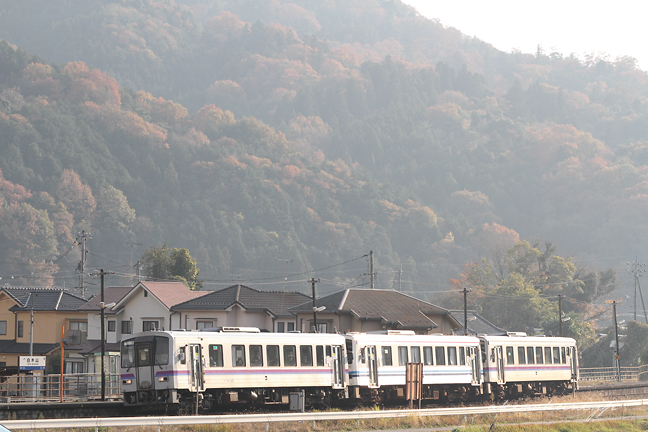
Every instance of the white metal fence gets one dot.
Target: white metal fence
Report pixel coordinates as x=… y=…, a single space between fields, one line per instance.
x=636 y=373
x=47 y=388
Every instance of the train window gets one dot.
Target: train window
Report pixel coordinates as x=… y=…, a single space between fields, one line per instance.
x=556 y=355
x=462 y=356
x=521 y=355
x=306 y=355
x=538 y=352
x=144 y=355
x=428 y=358
x=161 y=350
x=509 y=356
x=416 y=354
x=256 y=355
x=290 y=355
x=216 y=355
x=530 y=356
x=328 y=350
x=402 y=356
x=452 y=356
x=238 y=355
x=439 y=353
x=386 y=356
x=319 y=353
x=272 y=352
x=547 y=356
x=563 y=358
x=127 y=354
x=349 y=350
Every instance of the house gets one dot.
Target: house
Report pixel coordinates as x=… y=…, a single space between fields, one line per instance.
x=91 y=349
x=477 y=325
x=56 y=311
x=147 y=306
x=241 y=306
x=364 y=310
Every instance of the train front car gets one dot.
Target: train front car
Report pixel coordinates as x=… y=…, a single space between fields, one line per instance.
x=189 y=371
x=153 y=368
x=517 y=365
x=377 y=365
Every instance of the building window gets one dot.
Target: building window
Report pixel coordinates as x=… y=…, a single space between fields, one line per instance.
x=321 y=327
x=72 y=367
x=127 y=327
x=290 y=326
x=112 y=325
x=150 y=325
x=281 y=327
x=20 y=329
x=78 y=332
x=204 y=324
x=3 y=327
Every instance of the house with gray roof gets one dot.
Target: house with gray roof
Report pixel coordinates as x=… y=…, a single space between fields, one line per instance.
x=56 y=312
x=365 y=310
x=241 y=306
x=477 y=324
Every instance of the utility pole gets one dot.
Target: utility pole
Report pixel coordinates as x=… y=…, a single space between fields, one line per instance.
x=637 y=269
x=313 y=281
x=465 y=293
x=102 y=305
x=560 y=313
x=131 y=252
x=617 y=357
x=138 y=269
x=81 y=239
x=31 y=325
x=286 y=277
x=371 y=269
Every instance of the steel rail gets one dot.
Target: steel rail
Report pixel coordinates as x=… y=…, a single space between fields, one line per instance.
x=311 y=416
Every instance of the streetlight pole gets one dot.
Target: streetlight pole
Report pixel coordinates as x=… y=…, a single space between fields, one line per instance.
x=560 y=313
x=617 y=357
x=313 y=281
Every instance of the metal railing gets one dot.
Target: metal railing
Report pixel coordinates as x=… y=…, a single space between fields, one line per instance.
x=47 y=388
x=634 y=373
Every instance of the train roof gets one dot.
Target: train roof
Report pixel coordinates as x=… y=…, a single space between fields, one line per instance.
x=525 y=340
x=242 y=336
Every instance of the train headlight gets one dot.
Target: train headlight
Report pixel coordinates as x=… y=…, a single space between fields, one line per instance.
x=162 y=379
x=126 y=382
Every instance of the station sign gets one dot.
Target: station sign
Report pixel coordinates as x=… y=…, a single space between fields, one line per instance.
x=31 y=363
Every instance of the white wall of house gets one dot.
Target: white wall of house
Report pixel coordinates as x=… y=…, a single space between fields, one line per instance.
x=94 y=327
x=235 y=317
x=142 y=310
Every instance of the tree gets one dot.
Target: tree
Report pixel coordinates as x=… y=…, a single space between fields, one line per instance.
x=163 y=263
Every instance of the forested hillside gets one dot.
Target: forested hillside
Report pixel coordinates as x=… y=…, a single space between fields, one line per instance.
x=258 y=132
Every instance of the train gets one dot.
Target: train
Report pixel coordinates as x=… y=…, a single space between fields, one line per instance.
x=200 y=371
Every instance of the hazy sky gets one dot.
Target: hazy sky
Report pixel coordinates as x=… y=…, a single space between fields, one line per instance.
x=616 y=28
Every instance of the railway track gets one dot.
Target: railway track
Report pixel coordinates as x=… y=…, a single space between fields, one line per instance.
x=27 y=410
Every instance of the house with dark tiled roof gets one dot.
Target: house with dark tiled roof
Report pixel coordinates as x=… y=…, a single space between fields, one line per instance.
x=241 y=306
x=365 y=310
x=477 y=324
x=55 y=310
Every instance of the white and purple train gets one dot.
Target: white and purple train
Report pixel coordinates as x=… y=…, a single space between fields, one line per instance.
x=186 y=370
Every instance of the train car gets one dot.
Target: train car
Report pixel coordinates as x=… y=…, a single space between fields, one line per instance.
x=519 y=364
x=189 y=369
x=377 y=365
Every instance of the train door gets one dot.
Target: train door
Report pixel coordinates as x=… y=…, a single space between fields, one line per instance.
x=372 y=363
x=337 y=363
x=474 y=365
x=499 y=361
x=574 y=364
x=195 y=356
x=145 y=366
